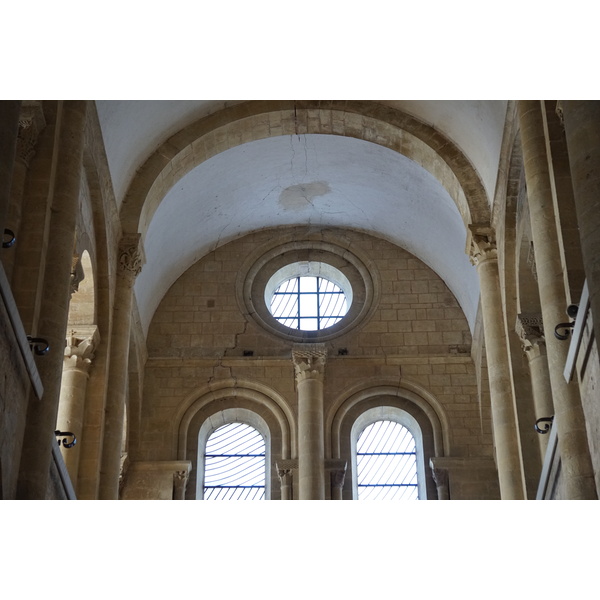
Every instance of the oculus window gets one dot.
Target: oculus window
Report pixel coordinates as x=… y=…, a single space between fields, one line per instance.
x=308 y=296
x=234 y=464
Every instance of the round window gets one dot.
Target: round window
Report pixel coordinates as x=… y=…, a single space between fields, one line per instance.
x=307 y=290
x=309 y=296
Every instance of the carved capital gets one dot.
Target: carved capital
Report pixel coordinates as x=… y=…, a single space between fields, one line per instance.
x=530 y=329
x=285 y=470
x=440 y=476
x=80 y=347
x=309 y=361
x=481 y=244
x=131 y=255
x=31 y=123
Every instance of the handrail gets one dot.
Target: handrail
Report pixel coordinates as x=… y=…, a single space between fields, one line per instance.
x=20 y=335
x=582 y=313
x=548 y=466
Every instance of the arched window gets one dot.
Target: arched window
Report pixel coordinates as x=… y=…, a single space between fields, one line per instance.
x=387 y=457
x=386 y=463
x=234 y=457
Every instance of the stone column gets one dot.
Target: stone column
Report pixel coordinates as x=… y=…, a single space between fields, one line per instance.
x=52 y=324
x=129 y=266
x=338 y=477
x=504 y=414
x=31 y=123
x=309 y=363
x=180 y=479
x=581 y=120
x=78 y=356
x=440 y=476
x=577 y=473
x=9 y=127
x=530 y=330
x=285 y=473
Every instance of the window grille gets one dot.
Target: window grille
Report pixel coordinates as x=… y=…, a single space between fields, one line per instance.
x=386 y=461
x=234 y=464
x=308 y=303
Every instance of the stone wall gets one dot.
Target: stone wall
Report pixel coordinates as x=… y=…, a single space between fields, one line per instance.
x=416 y=335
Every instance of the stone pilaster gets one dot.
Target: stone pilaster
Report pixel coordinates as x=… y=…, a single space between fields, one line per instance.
x=309 y=364
x=577 y=472
x=78 y=356
x=130 y=258
x=484 y=255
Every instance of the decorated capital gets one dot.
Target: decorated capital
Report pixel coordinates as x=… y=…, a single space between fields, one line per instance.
x=80 y=347
x=530 y=329
x=131 y=255
x=309 y=361
x=31 y=123
x=481 y=244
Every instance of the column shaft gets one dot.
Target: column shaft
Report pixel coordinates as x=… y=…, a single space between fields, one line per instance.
x=70 y=411
x=541 y=389
x=504 y=414
x=73 y=390
x=130 y=265
x=41 y=415
x=577 y=472
x=309 y=362
x=311 y=448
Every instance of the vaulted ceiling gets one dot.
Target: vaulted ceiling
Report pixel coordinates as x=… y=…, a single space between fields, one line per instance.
x=303 y=178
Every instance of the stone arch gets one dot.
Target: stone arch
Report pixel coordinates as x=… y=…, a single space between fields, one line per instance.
x=254 y=392
x=256 y=120
x=98 y=246
x=404 y=397
x=409 y=392
x=231 y=395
